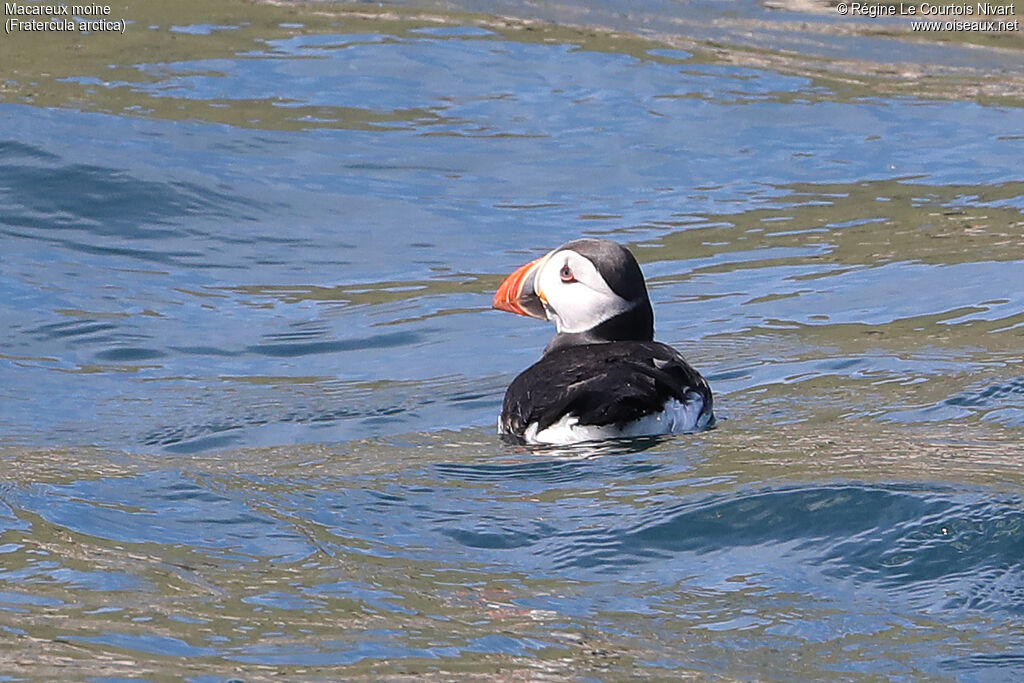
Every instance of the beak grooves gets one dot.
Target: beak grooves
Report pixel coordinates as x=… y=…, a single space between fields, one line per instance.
x=517 y=293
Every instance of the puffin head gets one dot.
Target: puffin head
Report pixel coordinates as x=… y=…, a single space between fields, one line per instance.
x=591 y=289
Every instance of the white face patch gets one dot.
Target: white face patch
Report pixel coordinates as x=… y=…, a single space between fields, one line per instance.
x=576 y=297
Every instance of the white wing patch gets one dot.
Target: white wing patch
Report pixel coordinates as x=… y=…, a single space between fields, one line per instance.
x=675 y=418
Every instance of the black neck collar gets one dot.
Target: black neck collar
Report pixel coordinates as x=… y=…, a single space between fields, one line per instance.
x=636 y=324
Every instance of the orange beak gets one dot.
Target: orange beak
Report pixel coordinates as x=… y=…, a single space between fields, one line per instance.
x=517 y=294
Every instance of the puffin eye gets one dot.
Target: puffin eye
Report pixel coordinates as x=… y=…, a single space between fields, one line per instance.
x=566 y=274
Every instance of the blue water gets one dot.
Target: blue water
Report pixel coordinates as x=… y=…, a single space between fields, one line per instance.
x=249 y=373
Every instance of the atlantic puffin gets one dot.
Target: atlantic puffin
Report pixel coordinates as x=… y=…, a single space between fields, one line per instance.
x=602 y=376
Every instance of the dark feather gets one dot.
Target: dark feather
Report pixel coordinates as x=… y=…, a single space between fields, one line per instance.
x=607 y=383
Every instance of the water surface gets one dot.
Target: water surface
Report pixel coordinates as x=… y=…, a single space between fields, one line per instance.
x=249 y=372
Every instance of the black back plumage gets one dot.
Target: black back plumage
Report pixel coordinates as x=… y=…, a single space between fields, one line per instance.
x=600 y=384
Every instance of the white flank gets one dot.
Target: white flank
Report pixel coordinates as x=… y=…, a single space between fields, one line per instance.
x=675 y=418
